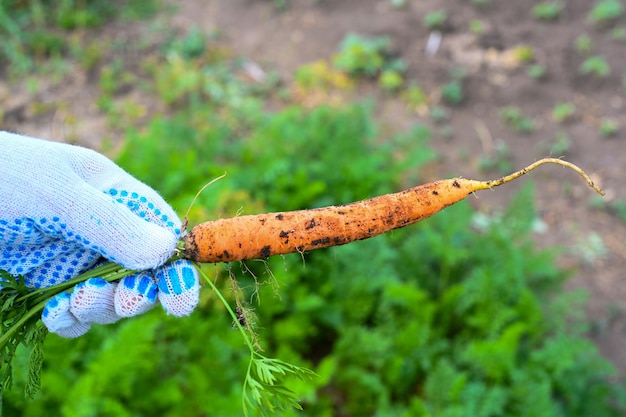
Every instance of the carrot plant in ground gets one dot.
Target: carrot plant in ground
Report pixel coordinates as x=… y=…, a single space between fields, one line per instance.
x=369 y=57
x=536 y=71
x=390 y=80
x=604 y=12
x=563 y=112
x=608 y=127
x=583 y=44
x=436 y=20
x=595 y=66
x=477 y=27
x=548 y=11
x=452 y=92
x=362 y=56
x=416 y=97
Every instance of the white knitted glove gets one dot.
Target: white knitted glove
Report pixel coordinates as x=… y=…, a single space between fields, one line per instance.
x=63 y=209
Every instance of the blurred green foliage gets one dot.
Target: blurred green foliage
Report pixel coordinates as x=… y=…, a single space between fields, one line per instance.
x=596 y=66
x=605 y=11
x=548 y=10
x=360 y=55
x=450 y=317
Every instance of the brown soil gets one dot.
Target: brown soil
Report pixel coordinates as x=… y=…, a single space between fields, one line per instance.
x=282 y=40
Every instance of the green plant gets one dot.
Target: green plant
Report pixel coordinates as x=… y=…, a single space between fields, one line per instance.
x=70 y=15
x=90 y=55
x=477 y=27
x=548 y=10
x=436 y=20
x=523 y=54
x=192 y=46
x=596 y=66
x=110 y=78
x=359 y=55
x=19 y=328
x=513 y=118
x=21 y=308
x=263 y=389
x=583 y=44
x=452 y=92
x=415 y=96
x=562 y=112
x=605 y=11
x=536 y=71
x=390 y=80
x=608 y=127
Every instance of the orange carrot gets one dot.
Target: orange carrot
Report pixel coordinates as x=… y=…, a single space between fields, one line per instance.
x=268 y=234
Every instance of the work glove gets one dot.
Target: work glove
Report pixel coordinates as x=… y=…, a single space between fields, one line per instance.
x=65 y=209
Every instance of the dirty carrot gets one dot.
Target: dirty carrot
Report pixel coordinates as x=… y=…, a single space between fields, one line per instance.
x=264 y=235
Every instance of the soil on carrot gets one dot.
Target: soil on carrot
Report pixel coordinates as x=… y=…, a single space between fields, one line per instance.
x=487 y=43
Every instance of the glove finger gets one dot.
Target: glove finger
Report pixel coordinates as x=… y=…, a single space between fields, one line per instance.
x=111 y=229
x=135 y=294
x=92 y=301
x=136 y=245
x=179 y=287
x=58 y=319
x=102 y=174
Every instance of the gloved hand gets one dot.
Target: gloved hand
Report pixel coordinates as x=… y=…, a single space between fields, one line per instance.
x=63 y=209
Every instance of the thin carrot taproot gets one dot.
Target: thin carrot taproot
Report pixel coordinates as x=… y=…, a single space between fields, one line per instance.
x=264 y=235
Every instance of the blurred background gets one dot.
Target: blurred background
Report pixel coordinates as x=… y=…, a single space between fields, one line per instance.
x=508 y=304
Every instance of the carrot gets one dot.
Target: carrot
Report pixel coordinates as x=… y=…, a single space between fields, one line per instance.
x=268 y=234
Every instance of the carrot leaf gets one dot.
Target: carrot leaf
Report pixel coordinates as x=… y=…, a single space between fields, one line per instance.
x=263 y=388
x=19 y=325
x=20 y=322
